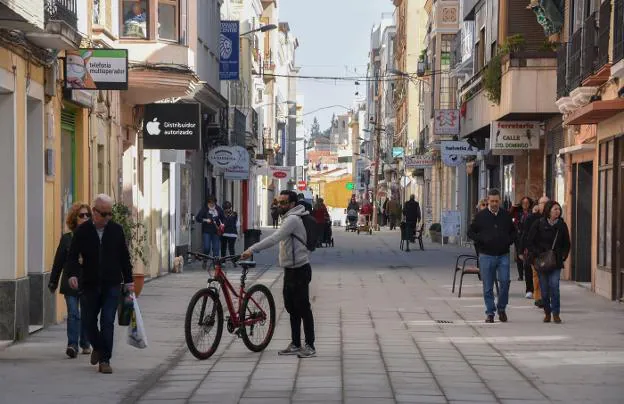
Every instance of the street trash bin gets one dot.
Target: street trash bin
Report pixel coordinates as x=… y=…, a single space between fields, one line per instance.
x=252 y=236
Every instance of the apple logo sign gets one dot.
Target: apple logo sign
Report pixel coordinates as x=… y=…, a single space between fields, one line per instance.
x=153 y=127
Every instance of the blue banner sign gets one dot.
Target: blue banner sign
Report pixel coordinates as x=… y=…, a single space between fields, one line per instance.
x=229 y=50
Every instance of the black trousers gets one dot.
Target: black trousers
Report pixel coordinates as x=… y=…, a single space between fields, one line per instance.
x=228 y=243
x=297 y=303
x=528 y=275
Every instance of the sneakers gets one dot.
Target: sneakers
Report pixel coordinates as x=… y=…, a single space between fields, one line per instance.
x=489 y=318
x=291 y=349
x=71 y=351
x=86 y=351
x=105 y=368
x=307 y=352
x=95 y=357
x=502 y=316
x=529 y=295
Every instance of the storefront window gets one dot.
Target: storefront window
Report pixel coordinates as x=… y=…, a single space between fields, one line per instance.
x=168 y=19
x=134 y=18
x=605 y=204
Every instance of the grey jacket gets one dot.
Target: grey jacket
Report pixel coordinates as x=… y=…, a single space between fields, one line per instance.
x=291 y=224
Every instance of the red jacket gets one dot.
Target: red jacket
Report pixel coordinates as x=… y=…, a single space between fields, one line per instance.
x=367 y=209
x=320 y=214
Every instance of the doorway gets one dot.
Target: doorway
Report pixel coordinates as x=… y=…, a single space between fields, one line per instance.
x=619 y=230
x=582 y=183
x=68 y=163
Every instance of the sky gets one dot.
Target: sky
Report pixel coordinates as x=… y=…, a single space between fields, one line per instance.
x=334 y=40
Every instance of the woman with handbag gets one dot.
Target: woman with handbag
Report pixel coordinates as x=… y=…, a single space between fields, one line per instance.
x=549 y=243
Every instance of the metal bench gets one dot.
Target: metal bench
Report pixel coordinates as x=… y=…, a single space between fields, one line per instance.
x=467 y=269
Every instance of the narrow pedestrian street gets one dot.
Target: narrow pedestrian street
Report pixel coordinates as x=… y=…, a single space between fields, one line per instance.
x=388 y=330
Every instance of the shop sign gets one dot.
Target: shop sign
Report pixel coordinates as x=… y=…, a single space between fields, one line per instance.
x=171 y=126
x=446 y=122
x=223 y=156
x=450 y=221
x=228 y=50
x=398 y=152
x=418 y=161
x=96 y=69
x=453 y=151
x=239 y=170
x=515 y=135
x=279 y=172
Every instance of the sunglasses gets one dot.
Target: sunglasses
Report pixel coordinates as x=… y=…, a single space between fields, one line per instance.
x=284 y=203
x=84 y=215
x=103 y=214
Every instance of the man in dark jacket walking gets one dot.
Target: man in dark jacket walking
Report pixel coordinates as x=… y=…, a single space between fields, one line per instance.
x=412 y=215
x=106 y=265
x=494 y=231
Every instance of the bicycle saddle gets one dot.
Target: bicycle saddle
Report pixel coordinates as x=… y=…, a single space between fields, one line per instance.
x=246 y=264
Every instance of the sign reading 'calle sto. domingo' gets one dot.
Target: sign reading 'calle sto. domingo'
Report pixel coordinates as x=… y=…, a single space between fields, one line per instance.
x=515 y=135
x=172 y=126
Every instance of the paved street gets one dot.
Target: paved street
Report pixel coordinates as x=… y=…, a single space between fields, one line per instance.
x=388 y=330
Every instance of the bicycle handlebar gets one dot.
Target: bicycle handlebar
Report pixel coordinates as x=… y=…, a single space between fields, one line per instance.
x=216 y=260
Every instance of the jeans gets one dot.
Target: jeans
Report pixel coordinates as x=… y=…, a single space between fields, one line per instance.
x=297 y=303
x=228 y=243
x=212 y=242
x=76 y=329
x=549 y=283
x=495 y=268
x=103 y=303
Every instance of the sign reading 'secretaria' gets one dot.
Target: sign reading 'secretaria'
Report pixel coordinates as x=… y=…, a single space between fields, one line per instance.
x=172 y=126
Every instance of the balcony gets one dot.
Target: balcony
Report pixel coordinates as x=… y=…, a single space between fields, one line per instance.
x=24 y=15
x=61 y=22
x=617 y=70
x=595 y=67
x=562 y=65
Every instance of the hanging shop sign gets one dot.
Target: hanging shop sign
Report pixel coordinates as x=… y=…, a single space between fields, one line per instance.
x=515 y=135
x=446 y=122
x=96 y=69
x=229 y=40
x=453 y=152
x=171 y=126
x=398 y=152
x=239 y=170
x=280 y=172
x=223 y=157
x=418 y=161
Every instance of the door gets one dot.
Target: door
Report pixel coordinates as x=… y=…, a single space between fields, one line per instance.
x=619 y=230
x=68 y=163
x=582 y=180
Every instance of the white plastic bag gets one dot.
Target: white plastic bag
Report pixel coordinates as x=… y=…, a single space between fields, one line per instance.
x=136 y=330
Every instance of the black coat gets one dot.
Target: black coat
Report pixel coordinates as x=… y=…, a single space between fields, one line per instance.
x=493 y=234
x=210 y=228
x=412 y=211
x=59 y=267
x=542 y=236
x=526 y=227
x=104 y=263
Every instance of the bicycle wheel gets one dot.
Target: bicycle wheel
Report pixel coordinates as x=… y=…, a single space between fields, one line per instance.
x=203 y=323
x=257 y=310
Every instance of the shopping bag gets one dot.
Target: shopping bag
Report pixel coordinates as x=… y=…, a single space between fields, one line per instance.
x=126 y=306
x=136 y=331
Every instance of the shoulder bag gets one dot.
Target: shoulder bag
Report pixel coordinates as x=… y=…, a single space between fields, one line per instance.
x=547 y=261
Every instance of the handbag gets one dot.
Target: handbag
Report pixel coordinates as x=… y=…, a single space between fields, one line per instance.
x=547 y=261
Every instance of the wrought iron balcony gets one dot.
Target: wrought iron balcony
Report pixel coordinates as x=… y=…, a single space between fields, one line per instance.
x=61 y=10
x=562 y=65
x=574 y=59
x=589 y=51
x=604 y=28
x=618 y=31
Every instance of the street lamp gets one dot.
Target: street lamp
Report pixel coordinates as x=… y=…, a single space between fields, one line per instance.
x=264 y=28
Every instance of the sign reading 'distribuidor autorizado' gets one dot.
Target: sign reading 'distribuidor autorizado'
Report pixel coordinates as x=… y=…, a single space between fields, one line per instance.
x=172 y=126
x=515 y=135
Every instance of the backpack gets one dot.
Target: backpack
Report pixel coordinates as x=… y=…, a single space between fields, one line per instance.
x=312 y=232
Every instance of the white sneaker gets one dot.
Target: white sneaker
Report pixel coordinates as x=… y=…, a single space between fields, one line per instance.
x=291 y=349
x=529 y=295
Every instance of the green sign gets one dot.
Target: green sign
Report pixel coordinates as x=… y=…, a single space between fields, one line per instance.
x=350 y=186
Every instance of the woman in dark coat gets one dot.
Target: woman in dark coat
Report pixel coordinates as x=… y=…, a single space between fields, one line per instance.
x=550 y=232
x=76 y=329
x=520 y=214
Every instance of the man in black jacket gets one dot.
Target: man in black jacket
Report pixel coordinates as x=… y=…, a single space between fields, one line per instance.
x=494 y=231
x=412 y=215
x=106 y=265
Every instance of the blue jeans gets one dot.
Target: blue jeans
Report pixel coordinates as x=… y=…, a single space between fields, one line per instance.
x=495 y=268
x=549 y=283
x=212 y=241
x=103 y=303
x=76 y=329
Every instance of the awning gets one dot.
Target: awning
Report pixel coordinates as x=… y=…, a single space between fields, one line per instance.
x=578 y=148
x=595 y=112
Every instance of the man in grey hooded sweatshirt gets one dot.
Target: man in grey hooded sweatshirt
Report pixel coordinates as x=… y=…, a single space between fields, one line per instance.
x=294 y=258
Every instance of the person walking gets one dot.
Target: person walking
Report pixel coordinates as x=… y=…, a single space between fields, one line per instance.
x=105 y=266
x=526 y=254
x=494 y=232
x=211 y=217
x=301 y=201
x=275 y=213
x=550 y=232
x=394 y=212
x=412 y=215
x=231 y=225
x=77 y=332
x=294 y=258
x=520 y=214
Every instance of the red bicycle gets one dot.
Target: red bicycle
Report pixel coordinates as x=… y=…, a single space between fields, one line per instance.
x=253 y=319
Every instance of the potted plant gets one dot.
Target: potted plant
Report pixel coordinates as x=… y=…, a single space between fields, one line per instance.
x=435 y=232
x=136 y=238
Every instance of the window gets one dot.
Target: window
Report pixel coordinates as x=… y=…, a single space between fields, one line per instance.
x=168 y=19
x=605 y=203
x=134 y=18
x=447 y=83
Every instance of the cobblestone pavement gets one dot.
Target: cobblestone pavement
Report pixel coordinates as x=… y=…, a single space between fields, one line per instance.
x=389 y=330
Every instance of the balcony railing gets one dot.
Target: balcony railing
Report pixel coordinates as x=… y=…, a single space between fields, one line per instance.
x=604 y=29
x=574 y=59
x=618 y=30
x=456 y=50
x=562 y=65
x=589 y=51
x=61 y=10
